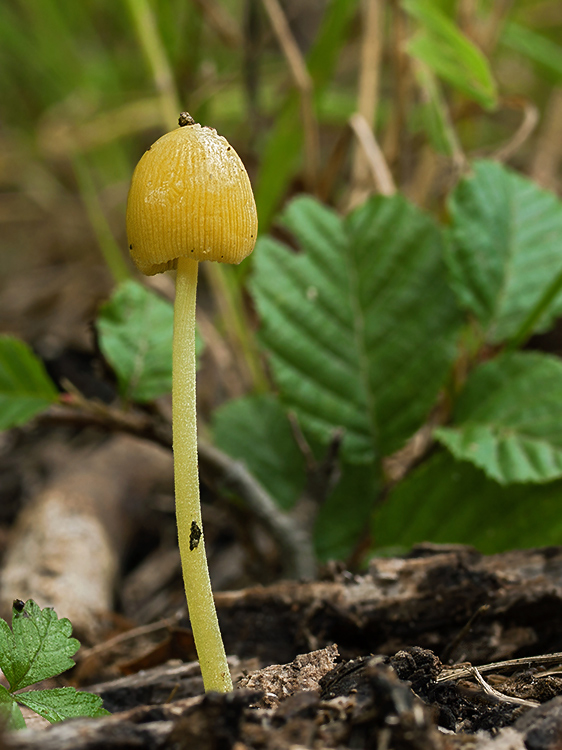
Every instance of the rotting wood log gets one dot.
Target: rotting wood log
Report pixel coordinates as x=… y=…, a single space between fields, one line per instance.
x=67 y=544
x=426 y=599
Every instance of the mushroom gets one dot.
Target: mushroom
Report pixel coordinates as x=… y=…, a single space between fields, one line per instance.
x=191 y=200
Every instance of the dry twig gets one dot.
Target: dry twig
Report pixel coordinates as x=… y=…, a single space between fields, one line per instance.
x=380 y=173
x=545 y=165
x=465 y=670
x=493 y=693
x=295 y=543
x=528 y=124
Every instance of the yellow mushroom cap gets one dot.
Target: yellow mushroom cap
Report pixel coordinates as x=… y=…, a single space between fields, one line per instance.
x=190 y=197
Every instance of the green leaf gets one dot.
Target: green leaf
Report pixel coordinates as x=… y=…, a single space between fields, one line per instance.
x=450 y=54
x=39 y=645
x=508 y=419
x=346 y=514
x=504 y=249
x=535 y=46
x=450 y=502
x=360 y=326
x=58 y=704
x=25 y=388
x=11 y=717
x=136 y=328
x=256 y=430
x=434 y=113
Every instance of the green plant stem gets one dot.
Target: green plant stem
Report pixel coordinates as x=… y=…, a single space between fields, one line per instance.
x=200 y=602
x=527 y=327
x=156 y=56
x=228 y=296
x=106 y=241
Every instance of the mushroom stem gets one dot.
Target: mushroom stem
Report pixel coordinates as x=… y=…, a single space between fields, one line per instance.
x=200 y=602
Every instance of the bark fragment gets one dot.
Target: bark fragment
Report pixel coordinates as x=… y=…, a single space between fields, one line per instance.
x=66 y=547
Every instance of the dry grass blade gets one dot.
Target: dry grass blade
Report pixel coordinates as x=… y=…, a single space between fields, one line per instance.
x=465 y=670
x=493 y=693
x=304 y=84
x=367 y=101
x=490 y=32
x=395 y=144
x=227 y=473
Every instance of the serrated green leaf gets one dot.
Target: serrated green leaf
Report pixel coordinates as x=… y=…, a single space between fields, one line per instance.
x=450 y=54
x=504 y=249
x=58 y=704
x=256 y=430
x=39 y=646
x=508 y=419
x=11 y=717
x=25 y=388
x=452 y=502
x=361 y=325
x=135 y=328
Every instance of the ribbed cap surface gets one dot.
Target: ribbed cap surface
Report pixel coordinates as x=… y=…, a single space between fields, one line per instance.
x=191 y=197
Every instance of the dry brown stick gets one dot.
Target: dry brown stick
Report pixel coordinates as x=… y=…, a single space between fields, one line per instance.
x=334 y=165
x=460 y=672
x=293 y=540
x=304 y=84
x=379 y=170
x=367 y=100
x=394 y=142
x=295 y=543
x=486 y=34
x=548 y=153
x=528 y=124
x=220 y=20
x=107 y=645
x=463 y=632
x=321 y=474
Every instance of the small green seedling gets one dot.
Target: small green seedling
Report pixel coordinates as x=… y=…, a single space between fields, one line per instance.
x=39 y=646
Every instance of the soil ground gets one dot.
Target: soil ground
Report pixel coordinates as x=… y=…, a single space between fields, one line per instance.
x=393 y=663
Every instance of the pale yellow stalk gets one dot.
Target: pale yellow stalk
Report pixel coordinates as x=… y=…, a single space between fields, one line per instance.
x=200 y=602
